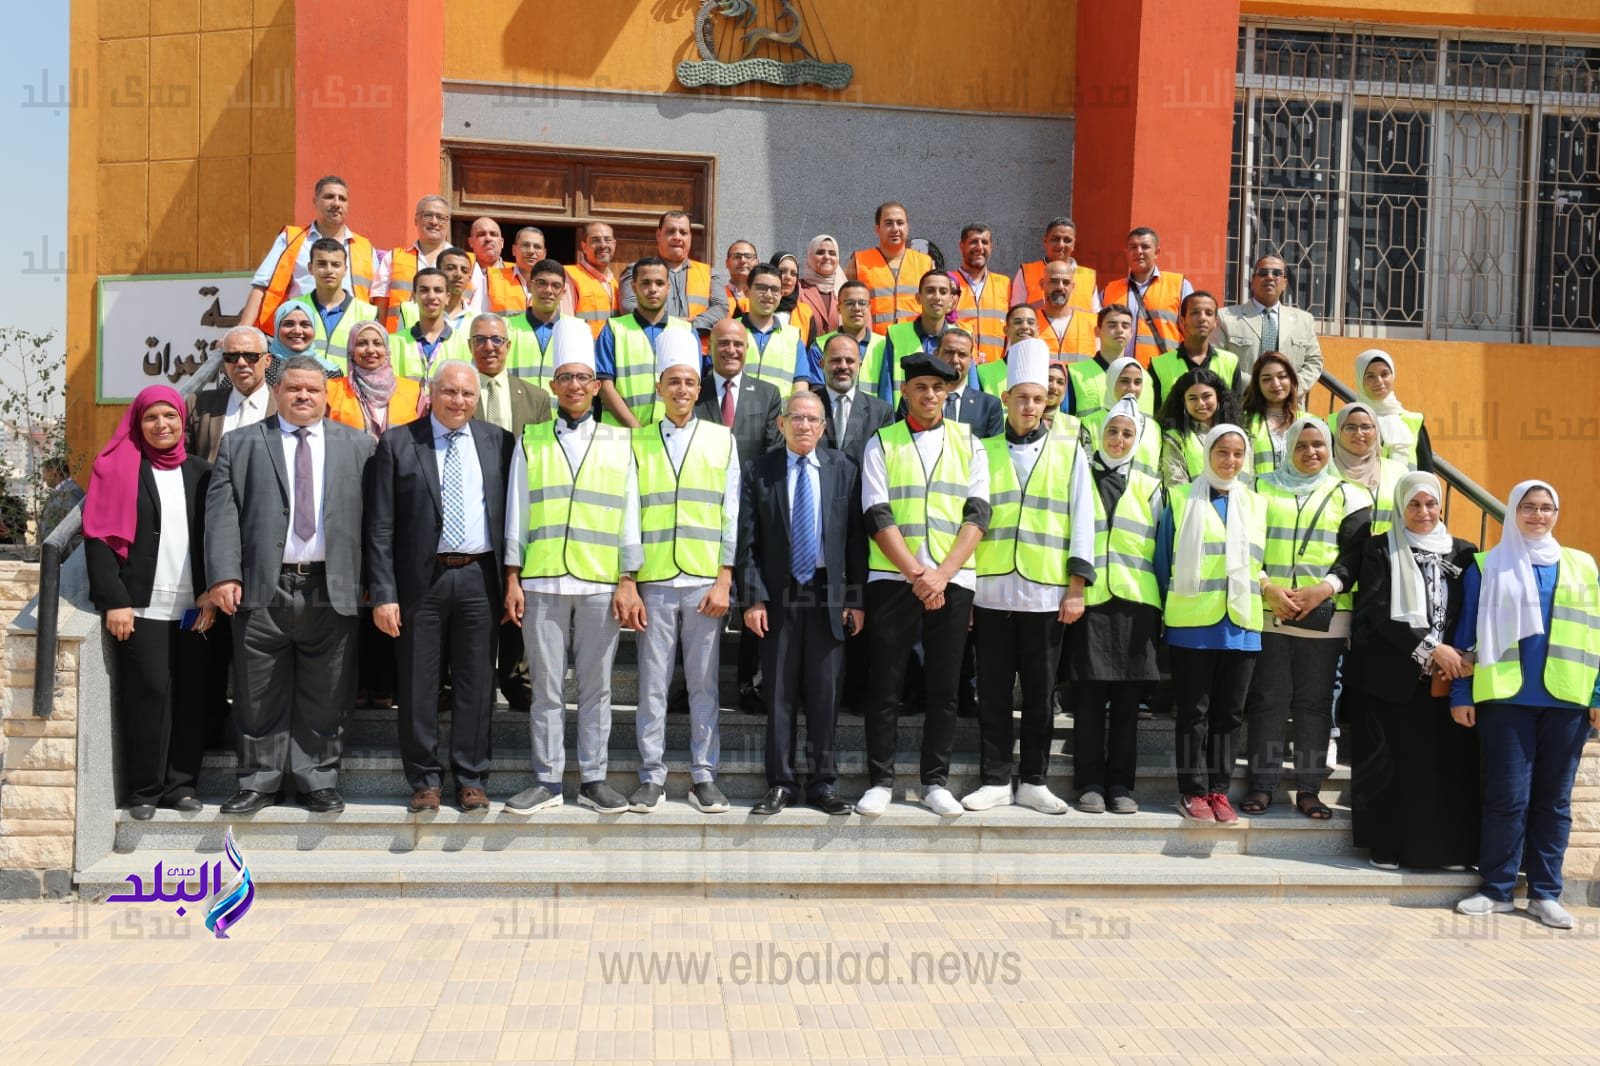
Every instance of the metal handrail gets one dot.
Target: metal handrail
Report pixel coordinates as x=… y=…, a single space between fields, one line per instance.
x=50 y=558
x=1454 y=480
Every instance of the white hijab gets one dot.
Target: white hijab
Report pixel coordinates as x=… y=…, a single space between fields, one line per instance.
x=1508 y=598
x=1114 y=371
x=1397 y=436
x=1408 y=592
x=1126 y=408
x=1189 y=553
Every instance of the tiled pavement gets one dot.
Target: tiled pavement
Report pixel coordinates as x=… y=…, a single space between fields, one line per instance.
x=848 y=981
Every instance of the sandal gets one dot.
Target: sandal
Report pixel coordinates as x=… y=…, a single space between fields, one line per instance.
x=1256 y=802
x=1310 y=805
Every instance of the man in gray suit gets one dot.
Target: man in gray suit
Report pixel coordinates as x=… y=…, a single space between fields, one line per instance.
x=853 y=416
x=283 y=549
x=1264 y=323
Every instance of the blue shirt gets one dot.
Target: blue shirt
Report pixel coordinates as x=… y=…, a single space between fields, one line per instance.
x=1222 y=635
x=542 y=330
x=331 y=315
x=605 y=345
x=813 y=362
x=1531 y=651
x=802 y=364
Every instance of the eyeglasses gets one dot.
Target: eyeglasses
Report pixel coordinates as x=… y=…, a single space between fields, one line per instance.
x=1363 y=429
x=601 y=240
x=493 y=342
x=767 y=289
x=250 y=357
x=573 y=379
x=1543 y=510
x=804 y=420
x=433 y=216
x=1271 y=272
x=855 y=303
x=741 y=255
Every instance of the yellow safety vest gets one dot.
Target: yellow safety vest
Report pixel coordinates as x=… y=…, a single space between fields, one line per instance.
x=1210 y=605
x=925 y=507
x=1030 y=528
x=680 y=513
x=405 y=353
x=775 y=364
x=575 y=521
x=333 y=348
x=636 y=368
x=1125 y=545
x=1573 y=661
x=1297 y=556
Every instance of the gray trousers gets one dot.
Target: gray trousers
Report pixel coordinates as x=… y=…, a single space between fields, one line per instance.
x=547 y=622
x=294 y=677
x=672 y=614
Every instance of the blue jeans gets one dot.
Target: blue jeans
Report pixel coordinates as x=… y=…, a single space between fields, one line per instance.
x=1529 y=760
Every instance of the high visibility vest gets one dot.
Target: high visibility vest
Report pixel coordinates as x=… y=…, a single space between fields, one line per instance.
x=636 y=368
x=1125 y=545
x=1083 y=286
x=1194 y=457
x=1390 y=471
x=1171 y=366
x=1412 y=419
x=402 y=272
x=1573 y=660
x=985 y=317
x=1300 y=555
x=737 y=305
x=526 y=357
x=1077 y=343
x=992 y=378
x=774 y=364
x=592 y=299
x=1211 y=603
x=333 y=348
x=697 y=289
x=871 y=368
x=506 y=296
x=1031 y=525
x=1265 y=457
x=1087 y=382
x=405 y=354
x=902 y=340
x=575 y=521
x=1162 y=299
x=894 y=294
x=803 y=319
x=680 y=514
x=359 y=264
x=1146 y=450
x=927 y=509
x=345 y=406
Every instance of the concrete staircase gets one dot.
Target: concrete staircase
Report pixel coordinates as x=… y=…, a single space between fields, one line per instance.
x=377 y=847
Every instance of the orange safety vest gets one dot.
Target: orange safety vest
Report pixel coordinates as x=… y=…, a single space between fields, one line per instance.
x=345 y=406
x=803 y=319
x=894 y=295
x=985 y=319
x=593 y=299
x=359 y=251
x=697 y=287
x=1162 y=299
x=402 y=273
x=737 y=305
x=1083 y=286
x=506 y=296
x=1079 y=342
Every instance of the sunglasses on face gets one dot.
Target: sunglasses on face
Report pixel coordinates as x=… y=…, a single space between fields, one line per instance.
x=250 y=357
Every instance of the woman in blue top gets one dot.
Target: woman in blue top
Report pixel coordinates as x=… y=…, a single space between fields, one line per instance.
x=1533 y=617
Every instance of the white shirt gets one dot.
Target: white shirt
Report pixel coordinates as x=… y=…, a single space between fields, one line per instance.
x=677 y=441
x=1013 y=592
x=476 y=503
x=245 y=410
x=816 y=496
x=296 y=550
x=301 y=281
x=172 y=586
x=930 y=445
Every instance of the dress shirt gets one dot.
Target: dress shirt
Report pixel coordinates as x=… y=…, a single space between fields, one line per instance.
x=300 y=282
x=333 y=314
x=172 y=585
x=497 y=399
x=815 y=464
x=574 y=441
x=841 y=425
x=245 y=410
x=677 y=440
x=1013 y=592
x=723 y=385
x=476 y=299
x=296 y=550
x=383 y=266
x=477 y=536
x=930 y=445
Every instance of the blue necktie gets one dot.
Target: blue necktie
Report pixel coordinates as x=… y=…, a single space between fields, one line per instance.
x=451 y=493
x=803 y=527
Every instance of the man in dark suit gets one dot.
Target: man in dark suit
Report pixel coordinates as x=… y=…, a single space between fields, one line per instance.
x=750 y=408
x=216 y=411
x=801 y=563
x=861 y=413
x=967 y=403
x=436 y=495
x=283 y=551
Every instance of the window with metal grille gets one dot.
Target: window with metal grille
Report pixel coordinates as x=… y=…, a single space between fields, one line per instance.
x=1421 y=184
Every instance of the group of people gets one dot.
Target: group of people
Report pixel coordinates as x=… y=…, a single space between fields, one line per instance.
x=897 y=476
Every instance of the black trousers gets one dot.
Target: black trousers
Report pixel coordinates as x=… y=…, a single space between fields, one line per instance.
x=218 y=643
x=374 y=658
x=1101 y=757
x=1293 y=679
x=1015 y=644
x=802 y=662
x=511 y=667
x=1208 y=694
x=160 y=710
x=893 y=614
x=455 y=612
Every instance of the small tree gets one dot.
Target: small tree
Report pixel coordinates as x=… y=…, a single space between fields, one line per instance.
x=33 y=408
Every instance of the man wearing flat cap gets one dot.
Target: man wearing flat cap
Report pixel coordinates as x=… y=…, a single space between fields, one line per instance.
x=925 y=494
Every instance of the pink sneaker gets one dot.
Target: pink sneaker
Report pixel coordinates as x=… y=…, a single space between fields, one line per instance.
x=1221 y=809
x=1196 y=808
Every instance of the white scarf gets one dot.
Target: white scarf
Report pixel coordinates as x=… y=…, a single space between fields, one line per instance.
x=1408 y=592
x=1508 y=598
x=1398 y=439
x=1114 y=371
x=1190 y=550
x=1126 y=408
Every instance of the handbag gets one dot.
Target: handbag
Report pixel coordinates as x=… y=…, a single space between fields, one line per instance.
x=1320 y=620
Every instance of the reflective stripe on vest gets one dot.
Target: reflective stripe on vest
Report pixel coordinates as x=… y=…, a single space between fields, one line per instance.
x=925 y=508
x=680 y=514
x=1194 y=459
x=335 y=348
x=405 y=354
x=526 y=358
x=1390 y=471
x=1171 y=366
x=636 y=368
x=592 y=300
x=775 y=363
x=894 y=294
x=1077 y=343
x=992 y=378
x=1265 y=457
x=575 y=524
x=358 y=273
x=985 y=317
x=697 y=289
x=1163 y=297
x=1030 y=528
x=402 y=270
x=1286 y=564
x=1573 y=661
x=506 y=296
x=1208 y=607
x=1125 y=547
x=1146 y=450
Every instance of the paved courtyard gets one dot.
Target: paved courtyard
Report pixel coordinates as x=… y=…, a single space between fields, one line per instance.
x=849 y=981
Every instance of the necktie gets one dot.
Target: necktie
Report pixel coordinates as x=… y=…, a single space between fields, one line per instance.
x=305 y=499
x=951 y=403
x=1269 y=330
x=841 y=416
x=727 y=403
x=455 y=507
x=491 y=389
x=803 y=526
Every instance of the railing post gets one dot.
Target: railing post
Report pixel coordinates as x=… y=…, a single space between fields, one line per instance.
x=44 y=650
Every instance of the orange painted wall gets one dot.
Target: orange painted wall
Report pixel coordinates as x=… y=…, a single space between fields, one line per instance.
x=974 y=56
x=1502 y=413
x=1541 y=16
x=180 y=155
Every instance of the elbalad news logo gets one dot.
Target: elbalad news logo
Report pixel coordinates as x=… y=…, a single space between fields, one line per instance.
x=228 y=903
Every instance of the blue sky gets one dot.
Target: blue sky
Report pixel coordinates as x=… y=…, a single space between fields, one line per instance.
x=33 y=183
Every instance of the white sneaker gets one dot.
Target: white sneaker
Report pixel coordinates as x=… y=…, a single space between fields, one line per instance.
x=874 y=801
x=986 y=797
x=1479 y=904
x=1550 y=913
x=1041 y=799
x=940 y=802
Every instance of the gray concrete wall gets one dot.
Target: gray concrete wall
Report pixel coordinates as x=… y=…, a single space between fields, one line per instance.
x=788 y=171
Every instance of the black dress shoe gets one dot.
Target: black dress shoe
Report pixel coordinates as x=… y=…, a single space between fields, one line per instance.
x=750 y=701
x=829 y=803
x=183 y=803
x=142 y=812
x=245 y=801
x=324 y=801
x=774 y=801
